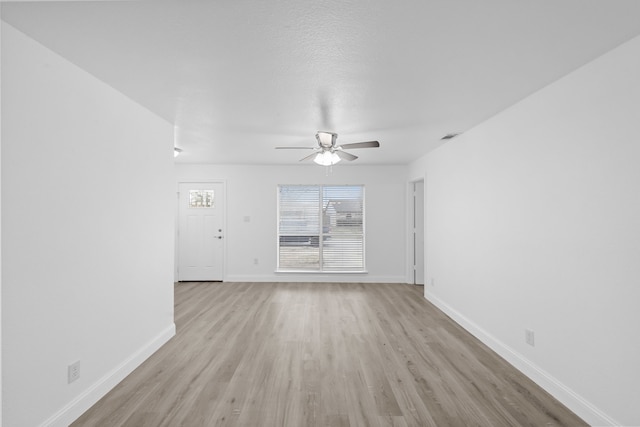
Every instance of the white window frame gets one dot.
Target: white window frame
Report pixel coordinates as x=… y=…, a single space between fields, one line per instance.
x=321 y=232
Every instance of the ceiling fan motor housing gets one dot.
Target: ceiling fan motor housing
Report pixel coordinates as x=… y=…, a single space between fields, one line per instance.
x=326 y=139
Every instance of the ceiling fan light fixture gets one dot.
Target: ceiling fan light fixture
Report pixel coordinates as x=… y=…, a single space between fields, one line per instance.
x=327 y=158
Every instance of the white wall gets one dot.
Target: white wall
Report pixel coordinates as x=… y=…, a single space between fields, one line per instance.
x=533 y=222
x=0 y=229
x=252 y=192
x=87 y=234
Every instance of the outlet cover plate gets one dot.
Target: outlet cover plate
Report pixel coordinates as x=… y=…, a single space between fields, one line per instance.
x=73 y=372
x=529 y=337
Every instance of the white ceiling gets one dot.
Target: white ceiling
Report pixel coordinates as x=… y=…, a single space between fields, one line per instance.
x=239 y=77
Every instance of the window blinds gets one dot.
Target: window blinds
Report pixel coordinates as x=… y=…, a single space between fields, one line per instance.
x=321 y=228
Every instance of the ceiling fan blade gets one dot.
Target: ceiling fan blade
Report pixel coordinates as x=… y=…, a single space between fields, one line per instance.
x=310 y=156
x=296 y=148
x=345 y=156
x=366 y=144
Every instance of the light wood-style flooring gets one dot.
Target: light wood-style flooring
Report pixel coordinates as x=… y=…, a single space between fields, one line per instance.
x=321 y=354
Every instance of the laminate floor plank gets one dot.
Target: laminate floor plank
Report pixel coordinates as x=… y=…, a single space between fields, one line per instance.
x=321 y=354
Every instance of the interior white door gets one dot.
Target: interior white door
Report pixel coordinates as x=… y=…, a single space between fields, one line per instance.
x=418 y=232
x=201 y=231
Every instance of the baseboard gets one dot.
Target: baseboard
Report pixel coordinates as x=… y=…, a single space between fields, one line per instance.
x=89 y=397
x=580 y=406
x=315 y=277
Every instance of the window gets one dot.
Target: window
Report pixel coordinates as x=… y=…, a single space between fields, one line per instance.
x=321 y=228
x=200 y=198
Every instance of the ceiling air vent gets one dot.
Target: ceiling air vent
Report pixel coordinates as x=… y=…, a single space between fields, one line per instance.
x=449 y=136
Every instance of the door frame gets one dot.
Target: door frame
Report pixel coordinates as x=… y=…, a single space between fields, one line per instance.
x=177 y=224
x=411 y=217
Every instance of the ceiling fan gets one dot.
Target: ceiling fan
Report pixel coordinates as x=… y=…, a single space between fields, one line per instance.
x=327 y=153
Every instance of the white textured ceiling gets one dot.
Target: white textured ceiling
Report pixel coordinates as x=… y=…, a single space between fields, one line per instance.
x=238 y=78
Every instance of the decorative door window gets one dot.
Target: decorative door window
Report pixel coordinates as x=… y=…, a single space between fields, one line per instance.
x=200 y=198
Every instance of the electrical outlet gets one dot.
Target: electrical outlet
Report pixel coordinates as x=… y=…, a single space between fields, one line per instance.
x=433 y=281
x=529 y=337
x=73 y=372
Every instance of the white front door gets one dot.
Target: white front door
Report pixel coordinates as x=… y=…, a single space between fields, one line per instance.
x=201 y=231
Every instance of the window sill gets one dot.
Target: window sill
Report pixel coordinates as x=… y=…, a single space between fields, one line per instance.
x=319 y=272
